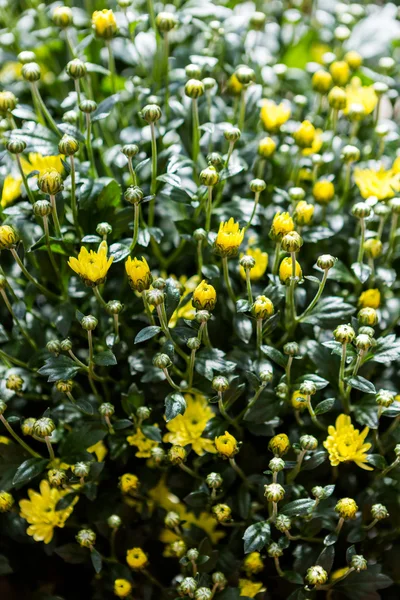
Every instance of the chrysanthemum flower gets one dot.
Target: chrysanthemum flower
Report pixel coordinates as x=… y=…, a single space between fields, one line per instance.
x=259 y=268
x=92 y=266
x=229 y=238
x=274 y=115
x=188 y=428
x=356 y=93
x=370 y=298
x=382 y=184
x=345 y=443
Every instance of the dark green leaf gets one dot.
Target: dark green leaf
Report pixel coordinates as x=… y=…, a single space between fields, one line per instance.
x=326 y=558
x=151 y=432
x=362 y=384
x=298 y=508
x=104 y=108
x=175 y=404
x=96 y=560
x=256 y=537
x=72 y=553
x=243 y=327
x=105 y=358
x=147 y=333
x=316 y=459
x=324 y=406
x=274 y=355
x=377 y=461
x=59 y=367
x=197 y=499
x=29 y=469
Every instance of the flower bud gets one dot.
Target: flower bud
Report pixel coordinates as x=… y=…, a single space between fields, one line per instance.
x=257 y=20
x=385 y=398
x=57 y=478
x=257 y=185
x=247 y=262
x=266 y=375
x=321 y=81
x=192 y=554
x=274 y=492
x=220 y=383
x=245 y=75
x=386 y=63
x=15 y=146
x=8 y=237
x=215 y=160
x=283 y=523
x=133 y=194
x=373 y=247
x=89 y=323
x=346 y=508
x=316 y=575
x=157 y=454
x=276 y=464
x=221 y=512
x=88 y=106
x=303 y=213
x=282 y=390
x=50 y=182
x=42 y=208
x=31 y=72
x=68 y=145
x=14 y=383
x=214 y=481
x=202 y=316
x=266 y=147
x=114 y=521
x=209 y=83
x=350 y=154
x=143 y=413
x=209 y=176
x=188 y=586
x=344 y=334
x=65 y=386
x=172 y=520
x=363 y=342
x=304 y=135
x=262 y=308
x=81 y=469
x=71 y=116
x=274 y=550
x=27 y=426
x=166 y=21
x=356 y=112
x=380 y=88
x=194 y=88
x=162 y=361
x=86 y=538
x=232 y=134
x=292 y=242
x=367 y=331
x=323 y=191
x=358 y=562
x=155 y=297
x=130 y=150
x=193 y=343
x=104 y=23
x=285 y=270
x=379 y=512
x=226 y=445
x=308 y=442
x=177 y=548
x=367 y=316
x=203 y=593
x=220 y=579
x=26 y=56
x=43 y=427
x=3 y=407
x=337 y=98
x=129 y=484
x=106 y=409
x=361 y=210
x=177 y=455
x=279 y=444
x=76 y=68
x=62 y=17
x=308 y=388
x=6 y=501
x=326 y=261
x=193 y=71
x=340 y=72
x=53 y=346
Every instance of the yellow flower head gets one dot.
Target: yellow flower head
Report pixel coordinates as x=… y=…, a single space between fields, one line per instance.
x=274 y=115
x=382 y=184
x=136 y=559
x=303 y=213
x=321 y=81
x=259 y=268
x=345 y=443
x=41 y=514
x=38 y=162
x=8 y=237
x=122 y=588
x=104 y=23
x=139 y=274
x=226 y=445
x=338 y=574
x=129 y=483
x=353 y=59
x=285 y=270
x=143 y=444
x=315 y=146
x=266 y=147
x=305 y=134
x=188 y=428
x=346 y=508
x=6 y=501
x=222 y=512
x=249 y=588
x=373 y=247
x=204 y=296
x=229 y=238
x=253 y=563
x=234 y=86
x=298 y=400
x=323 y=191
x=396 y=165
x=11 y=189
x=370 y=298
x=356 y=93
x=262 y=308
x=92 y=266
x=340 y=72
x=99 y=449
x=279 y=444
x=281 y=225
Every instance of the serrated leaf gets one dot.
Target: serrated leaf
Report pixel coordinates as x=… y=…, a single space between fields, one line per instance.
x=59 y=367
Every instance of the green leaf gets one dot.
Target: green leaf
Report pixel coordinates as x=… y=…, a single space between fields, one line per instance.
x=316 y=459
x=298 y=508
x=319 y=382
x=119 y=252
x=172 y=297
x=96 y=560
x=110 y=195
x=72 y=553
x=104 y=108
x=105 y=358
x=210 y=271
x=362 y=384
x=363 y=585
x=243 y=327
x=361 y=271
x=256 y=537
x=329 y=312
x=5 y=567
x=377 y=461
x=326 y=558
x=197 y=499
x=147 y=333
x=274 y=355
x=324 y=406
x=152 y=432
x=29 y=469
x=84 y=406
x=59 y=367
x=66 y=501
x=387 y=349
x=175 y=404
x=242 y=305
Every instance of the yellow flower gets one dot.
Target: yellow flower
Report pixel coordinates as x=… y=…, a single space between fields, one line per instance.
x=104 y=23
x=338 y=574
x=222 y=512
x=8 y=237
x=316 y=144
x=281 y=225
x=122 y=588
x=136 y=558
x=204 y=296
x=99 y=449
x=396 y=165
x=346 y=508
x=143 y=444
x=274 y=115
x=6 y=501
x=11 y=189
x=138 y=272
x=259 y=268
x=340 y=72
x=229 y=238
x=279 y=444
x=92 y=266
x=356 y=93
x=303 y=213
x=253 y=563
x=234 y=86
x=298 y=400
x=305 y=134
x=129 y=483
x=345 y=443
x=262 y=308
x=226 y=445
x=249 y=588
x=188 y=428
x=382 y=184
x=187 y=310
x=353 y=59
x=5 y=440
x=38 y=162
x=285 y=270
x=41 y=514
x=266 y=147
x=323 y=191
x=370 y=298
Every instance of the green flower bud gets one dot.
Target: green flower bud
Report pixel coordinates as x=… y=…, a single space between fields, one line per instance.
x=193 y=71
x=379 y=512
x=193 y=343
x=209 y=83
x=157 y=454
x=194 y=88
x=88 y=106
x=76 y=68
x=159 y=283
x=104 y=229
x=276 y=464
x=358 y=562
x=350 y=154
x=53 y=346
x=266 y=375
x=308 y=388
x=42 y=208
x=232 y=134
x=68 y=145
x=282 y=390
x=245 y=75
x=214 y=481
x=50 y=182
x=8 y=237
x=188 y=586
x=57 y=478
x=176 y=454
x=89 y=323
x=308 y=442
x=62 y=17
x=65 y=386
x=133 y=194
x=385 y=398
x=143 y=413
x=114 y=521
x=361 y=210
x=215 y=160
x=257 y=185
x=172 y=520
x=380 y=88
x=6 y=501
x=71 y=116
x=274 y=550
x=296 y=194
x=337 y=98
x=165 y=21
x=220 y=383
x=326 y=261
x=247 y=262
x=202 y=316
x=344 y=334
x=114 y=307
x=192 y=554
x=106 y=409
x=155 y=297
x=15 y=146
x=209 y=176
x=31 y=72
x=316 y=575
x=14 y=383
x=162 y=361
x=43 y=427
x=363 y=342
x=27 y=426
x=151 y=113
x=292 y=242
x=130 y=150
x=367 y=316
x=86 y=538
x=81 y=469
x=203 y=593
x=274 y=492
x=291 y=349
x=26 y=56
x=395 y=205
x=318 y=492
x=257 y=20
x=283 y=523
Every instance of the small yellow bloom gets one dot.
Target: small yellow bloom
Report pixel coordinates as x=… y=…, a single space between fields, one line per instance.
x=303 y=213
x=285 y=270
x=353 y=59
x=8 y=237
x=188 y=428
x=259 y=268
x=229 y=238
x=315 y=146
x=323 y=191
x=356 y=93
x=129 y=483
x=11 y=189
x=396 y=165
x=274 y=115
x=345 y=443
x=370 y=298
x=104 y=23
x=279 y=444
x=137 y=559
x=305 y=134
x=266 y=147
x=204 y=296
x=38 y=162
x=6 y=501
x=262 y=308
x=373 y=247
x=143 y=444
x=281 y=225
x=122 y=588
x=139 y=274
x=340 y=72
x=249 y=588
x=253 y=563
x=346 y=508
x=321 y=81
x=92 y=266
x=222 y=512
x=298 y=400
x=226 y=445
x=382 y=184
x=338 y=574
x=41 y=514
x=234 y=86
x=99 y=449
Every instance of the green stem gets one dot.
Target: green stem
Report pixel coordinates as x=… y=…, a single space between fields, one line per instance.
x=18 y=439
x=24 y=179
x=342 y=367
x=166 y=73
x=136 y=213
x=153 y=185
x=48 y=244
x=78 y=102
x=132 y=171
x=43 y=108
x=362 y=238
x=147 y=308
x=49 y=448
x=256 y=199
x=191 y=368
x=316 y=297
x=313 y=416
x=224 y=413
x=242 y=110
x=195 y=134
x=54 y=214
x=238 y=470
x=99 y=297
x=259 y=327
x=229 y=154
x=276 y=259
x=111 y=66
x=17 y=321
x=89 y=145
x=170 y=381
x=248 y=286
x=228 y=280
x=189 y=471
x=30 y=277
x=199 y=257
x=278 y=567
x=74 y=206
x=294 y=472
x=392 y=237
x=209 y=208
x=251 y=402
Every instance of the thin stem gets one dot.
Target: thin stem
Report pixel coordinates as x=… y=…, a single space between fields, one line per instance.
x=362 y=239
x=74 y=206
x=17 y=321
x=30 y=277
x=389 y=468
x=111 y=66
x=313 y=416
x=256 y=199
x=78 y=102
x=49 y=118
x=288 y=370
x=238 y=470
x=189 y=471
x=229 y=154
x=49 y=447
x=24 y=179
x=99 y=297
x=136 y=213
x=191 y=367
x=132 y=171
x=199 y=257
x=346 y=185
x=341 y=378
x=89 y=145
x=251 y=402
x=248 y=286
x=54 y=214
x=294 y=472
x=48 y=244
x=259 y=326
x=242 y=110
x=276 y=259
x=170 y=381
x=147 y=308
x=224 y=413
x=209 y=209
x=18 y=439
x=166 y=72
x=228 y=280
x=392 y=237
x=195 y=132
x=316 y=297
x=339 y=526
x=153 y=185
x=278 y=567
